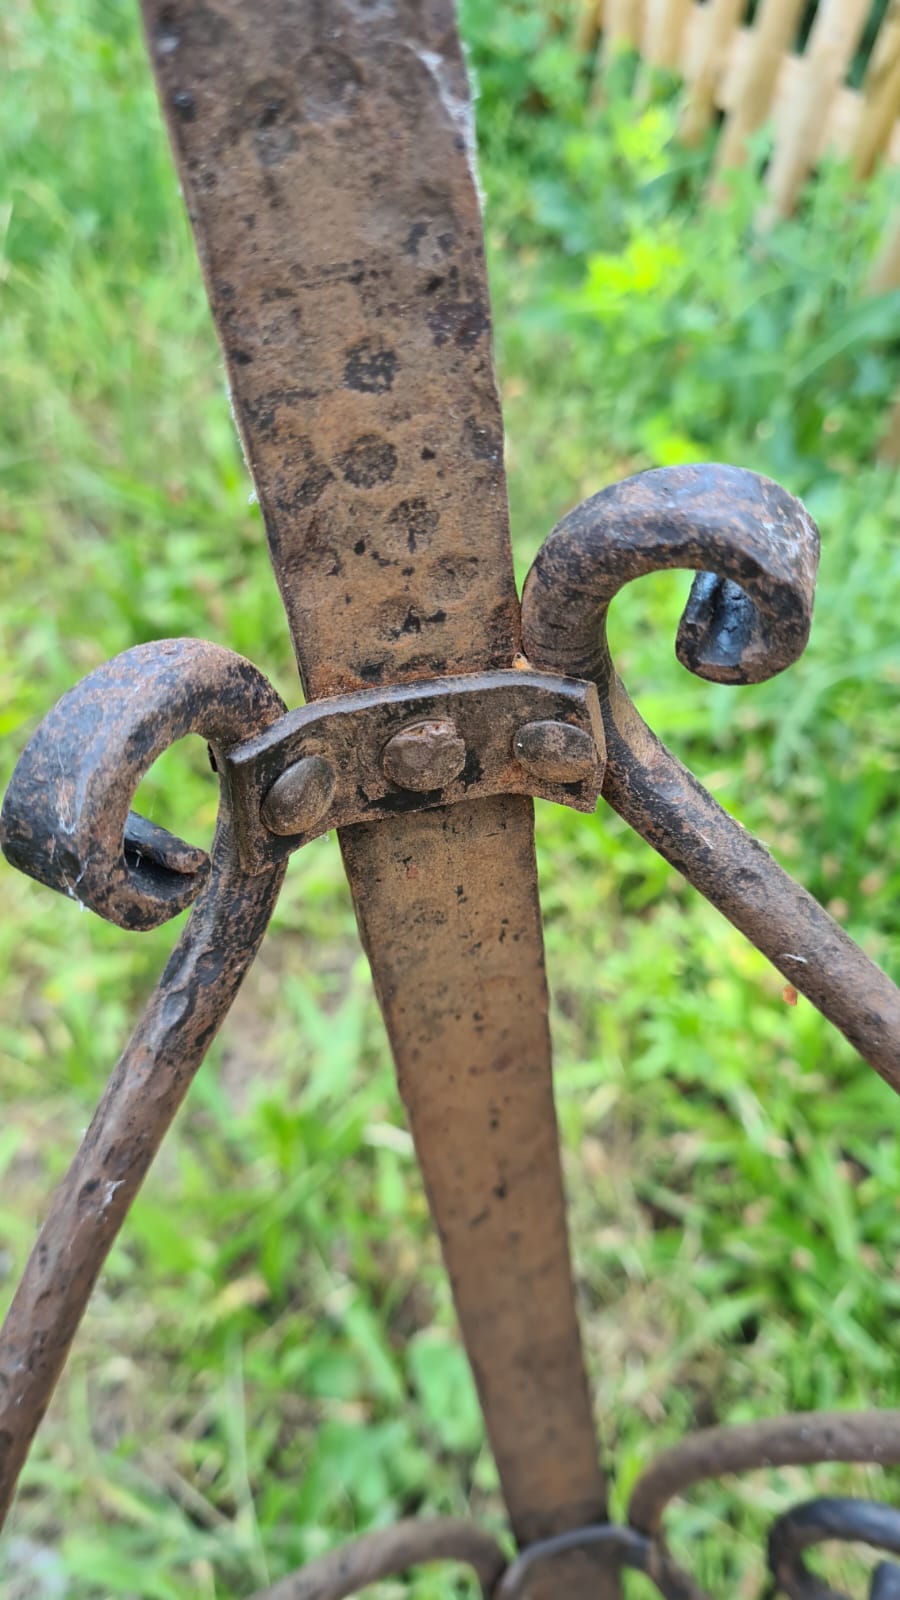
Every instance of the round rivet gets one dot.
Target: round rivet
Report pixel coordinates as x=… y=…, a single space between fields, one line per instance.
x=426 y=756
x=556 y=752
x=300 y=797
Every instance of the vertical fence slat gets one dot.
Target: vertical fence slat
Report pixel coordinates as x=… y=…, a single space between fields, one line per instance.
x=588 y=26
x=773 y=34
x=720 y=20
x=665 y=23
x=751 y=72
x=836 y=32
x=664 y=32
x=884 y=277
x=885 y=274
x=881 y=96
x=622 y=26
x=743 y=70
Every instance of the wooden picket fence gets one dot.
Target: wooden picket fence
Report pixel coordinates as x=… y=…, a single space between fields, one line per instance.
x=756 y=73
x=743 y=66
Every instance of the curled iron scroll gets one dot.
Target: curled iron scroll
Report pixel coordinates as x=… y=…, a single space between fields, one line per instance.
x=67 y=817
x=870 y=1437
x=749 y=611
x=67 y=822
x=802 y=1439
x=387 y=1553
x=850 y=1521
x=748 y=616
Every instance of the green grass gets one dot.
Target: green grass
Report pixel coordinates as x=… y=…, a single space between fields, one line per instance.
x=270 y=1360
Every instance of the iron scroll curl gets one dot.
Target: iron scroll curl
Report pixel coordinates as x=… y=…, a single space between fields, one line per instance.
x=67 y=822
x=749 y=612
x=829 y=1518
x=67 y=817
x=748 y=617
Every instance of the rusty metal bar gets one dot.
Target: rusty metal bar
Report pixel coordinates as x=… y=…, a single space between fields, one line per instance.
x=384 y=752
x=630 y=1548
x=326 y=156
x=674 y=813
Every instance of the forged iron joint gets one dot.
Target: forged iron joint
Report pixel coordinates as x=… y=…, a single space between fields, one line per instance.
x=286 y=778
x=381 y=752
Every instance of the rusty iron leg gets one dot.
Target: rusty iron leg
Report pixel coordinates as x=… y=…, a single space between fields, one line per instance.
x=66 y=820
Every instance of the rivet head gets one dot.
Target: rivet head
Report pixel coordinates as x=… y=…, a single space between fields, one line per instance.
x=425 y=756
x=299 y=799
x=556 y=752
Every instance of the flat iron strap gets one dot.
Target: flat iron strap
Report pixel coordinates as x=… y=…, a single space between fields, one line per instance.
x=460 y=978
x=326 y=156
x=325 y=153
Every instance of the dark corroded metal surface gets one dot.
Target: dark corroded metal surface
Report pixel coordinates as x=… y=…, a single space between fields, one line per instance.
x=850 y=1521
x=742 y=530
x=209 y=691
x=885 y=1582
x=388 y=1553
x=358 y=736
x=326 y=156
x=424 y=757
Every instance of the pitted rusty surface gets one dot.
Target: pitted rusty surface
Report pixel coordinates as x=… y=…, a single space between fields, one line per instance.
x=425 y=757
x=754 y=547
x=67 y=818
x=326 y=154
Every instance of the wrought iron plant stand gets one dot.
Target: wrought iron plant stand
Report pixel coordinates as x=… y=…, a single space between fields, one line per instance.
x=325 y=152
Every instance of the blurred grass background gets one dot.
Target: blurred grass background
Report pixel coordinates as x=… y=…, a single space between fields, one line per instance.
x=270 y=1360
